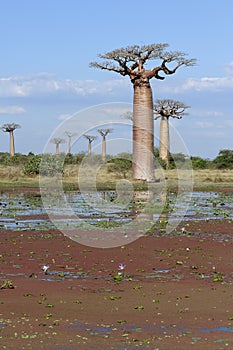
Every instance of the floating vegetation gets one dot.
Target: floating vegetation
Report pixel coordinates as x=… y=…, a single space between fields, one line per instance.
x=7 y=284
x=101 y=210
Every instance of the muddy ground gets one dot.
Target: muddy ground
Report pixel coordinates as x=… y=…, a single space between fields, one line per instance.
x=174 y=292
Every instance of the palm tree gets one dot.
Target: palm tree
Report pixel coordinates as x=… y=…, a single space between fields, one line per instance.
x=11 y=128
x=132 y=61
x=90 y=140
x=57 y=141
x=165 y=109
x=104 y=133
x=69 y=134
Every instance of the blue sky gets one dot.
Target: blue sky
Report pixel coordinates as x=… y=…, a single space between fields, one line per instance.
x=47 y=45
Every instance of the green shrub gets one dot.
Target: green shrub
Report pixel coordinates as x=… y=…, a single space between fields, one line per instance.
x=52 y=164
x=32 y=165
x=224 y=160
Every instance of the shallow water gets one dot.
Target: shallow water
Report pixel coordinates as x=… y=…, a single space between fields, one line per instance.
x=219 y=329
x=103 y=210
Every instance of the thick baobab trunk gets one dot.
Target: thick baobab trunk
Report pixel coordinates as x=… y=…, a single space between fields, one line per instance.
x=12 y=144
x=104 y=149
x=164 y=141
x=143 y=133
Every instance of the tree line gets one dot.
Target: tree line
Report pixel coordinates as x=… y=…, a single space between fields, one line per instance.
x=51 y=164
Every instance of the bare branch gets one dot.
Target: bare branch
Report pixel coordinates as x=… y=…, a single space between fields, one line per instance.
x=90 y=138
x=104 y=132
x=10 y=127
x=57 y=140
x=169 y=108
x=128 y=115
x=132 y=59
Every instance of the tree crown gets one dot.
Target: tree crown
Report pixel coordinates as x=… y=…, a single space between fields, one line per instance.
x=104 y=132
x=57 y=140
x=169 y=108
x=90 y=138
x=132 y=60
x=10 y=127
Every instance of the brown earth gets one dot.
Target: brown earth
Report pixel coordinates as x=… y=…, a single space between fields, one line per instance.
x=176 y=292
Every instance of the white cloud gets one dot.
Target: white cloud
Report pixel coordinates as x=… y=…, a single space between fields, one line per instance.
x=205 y=83
x=47 y=85
x=204 y=125
x=44 y=84
x=12 y=110
x=205 y=113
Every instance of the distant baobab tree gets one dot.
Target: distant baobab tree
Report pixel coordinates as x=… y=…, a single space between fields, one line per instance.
x=69 y=134
x=90 y=140
x=11 y=128
x=104 y=133
x=165 y=109
x=57 y=141
x=128 y=115
x=132 y=61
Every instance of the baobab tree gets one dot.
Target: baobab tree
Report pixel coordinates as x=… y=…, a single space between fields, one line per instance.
x=90 y=140
x=164 y=109
x=132 y=61
x=104 y=133
x=69 y=134
x=57 y=141
x=11 y=128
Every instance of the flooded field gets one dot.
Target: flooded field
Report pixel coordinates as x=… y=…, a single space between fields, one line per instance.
x=25 y=211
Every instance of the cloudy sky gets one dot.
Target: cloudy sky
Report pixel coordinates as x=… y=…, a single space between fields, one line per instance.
x=45 y=78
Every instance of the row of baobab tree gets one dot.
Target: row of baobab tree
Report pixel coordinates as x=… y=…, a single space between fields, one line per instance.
x=103 y=132
x=163 y=109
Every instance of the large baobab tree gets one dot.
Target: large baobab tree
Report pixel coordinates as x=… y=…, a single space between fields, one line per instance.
x=90 y=140
x=57 y=141
x=104 y=133
x=164 y=109
x=132 y=61
x=69 y=134
x=11 y=128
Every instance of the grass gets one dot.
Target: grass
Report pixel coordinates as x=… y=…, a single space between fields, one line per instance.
x=12 y=177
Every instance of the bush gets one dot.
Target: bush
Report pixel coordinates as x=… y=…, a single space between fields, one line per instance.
x=200 y=163
x=120 y=166
x=32 y=165
x=224 y=160
x=52 y=164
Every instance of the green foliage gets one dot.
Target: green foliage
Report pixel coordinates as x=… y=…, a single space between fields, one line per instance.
x=32 y=165
x=177 y=160
x=200 y=163
x=52 y=164
x=224 y=160
x=7 y=159
x=74 y=159
x=120 y=166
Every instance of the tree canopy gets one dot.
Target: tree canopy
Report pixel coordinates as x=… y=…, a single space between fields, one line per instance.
x=169 y=108
x=132 y=60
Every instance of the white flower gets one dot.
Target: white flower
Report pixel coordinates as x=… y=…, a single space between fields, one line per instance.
x=45 y=268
